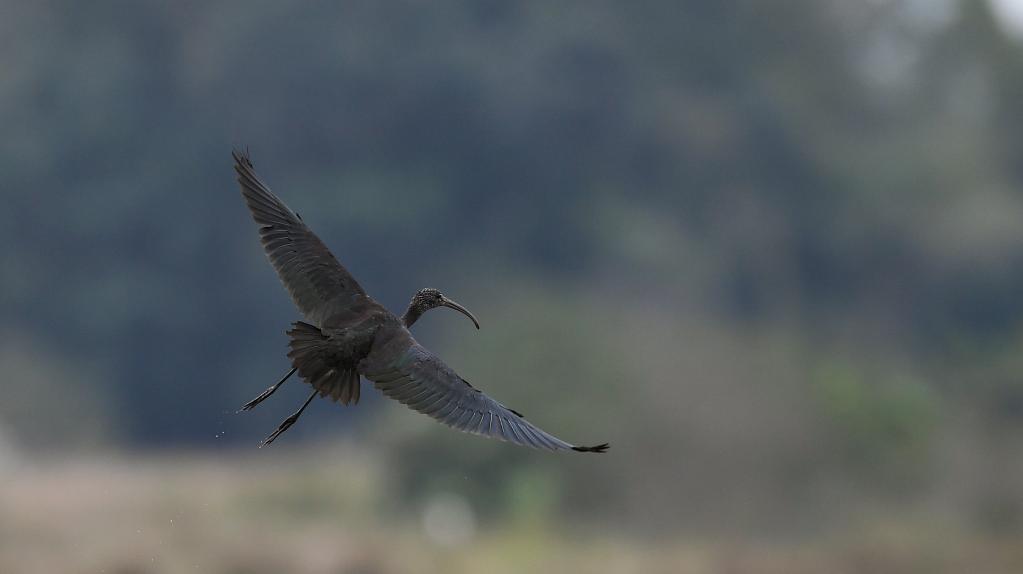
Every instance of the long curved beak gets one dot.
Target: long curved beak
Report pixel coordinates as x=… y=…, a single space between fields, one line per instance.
x=445 y=302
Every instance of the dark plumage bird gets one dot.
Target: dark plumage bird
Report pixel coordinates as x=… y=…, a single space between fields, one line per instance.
x=426 y=299
x=347 y=334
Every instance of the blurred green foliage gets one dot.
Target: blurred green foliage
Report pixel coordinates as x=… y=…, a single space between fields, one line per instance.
x=878 y=418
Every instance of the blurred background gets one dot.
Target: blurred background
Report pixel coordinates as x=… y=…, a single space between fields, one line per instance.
x=771 y=251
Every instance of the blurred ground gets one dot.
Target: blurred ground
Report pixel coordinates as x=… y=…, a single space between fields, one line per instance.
x=304 y=516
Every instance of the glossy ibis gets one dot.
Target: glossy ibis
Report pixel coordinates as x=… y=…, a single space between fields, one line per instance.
x=347 y=334
x=426 y=299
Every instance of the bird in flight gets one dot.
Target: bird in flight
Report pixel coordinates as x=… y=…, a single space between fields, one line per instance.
x=346 y=334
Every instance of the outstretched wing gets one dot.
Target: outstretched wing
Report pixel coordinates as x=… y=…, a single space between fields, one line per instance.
x=419 y=379
x=308 y=270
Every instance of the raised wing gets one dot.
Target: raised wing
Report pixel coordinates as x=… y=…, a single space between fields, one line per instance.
x=417 y=378
x=309 y=271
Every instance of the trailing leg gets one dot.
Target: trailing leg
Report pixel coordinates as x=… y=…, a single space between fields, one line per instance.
x=288 y=421
x=266 y=394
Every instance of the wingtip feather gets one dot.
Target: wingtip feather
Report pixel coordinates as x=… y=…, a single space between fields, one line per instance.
x=600 y=448
x=241 y=157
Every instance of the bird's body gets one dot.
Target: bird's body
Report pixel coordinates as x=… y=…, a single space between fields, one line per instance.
x=346 y=334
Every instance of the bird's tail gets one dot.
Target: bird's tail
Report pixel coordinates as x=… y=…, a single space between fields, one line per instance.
x=318 y=365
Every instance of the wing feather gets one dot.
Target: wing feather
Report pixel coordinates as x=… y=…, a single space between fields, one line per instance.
x=308 y=270
x=420 y=380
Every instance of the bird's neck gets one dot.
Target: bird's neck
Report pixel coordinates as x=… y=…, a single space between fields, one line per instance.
x=411 y=315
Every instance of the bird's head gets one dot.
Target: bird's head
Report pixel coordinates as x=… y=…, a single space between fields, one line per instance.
x=430 y=298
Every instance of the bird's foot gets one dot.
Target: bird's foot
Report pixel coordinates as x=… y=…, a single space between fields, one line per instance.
x=262 y=397
x=284 y=426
